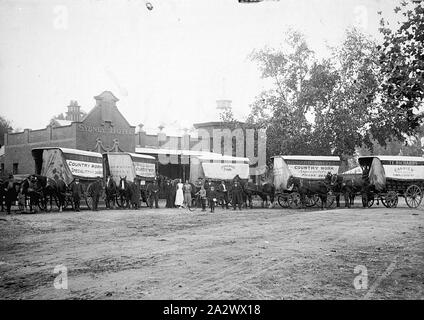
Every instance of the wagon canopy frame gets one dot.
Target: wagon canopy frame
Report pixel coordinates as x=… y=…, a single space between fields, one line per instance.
x=304 y=167
x=67 y=163
x=394 y=176
x=130 y=165
x=404 y=168
x=218 y=167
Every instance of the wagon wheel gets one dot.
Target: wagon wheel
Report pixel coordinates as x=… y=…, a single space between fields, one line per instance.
x=43 y=203
x=310 y=201
x=89 y=201
x=331 y=200
x=413 y=196
x=294 y=200
x=390 y=200
x=283 y=200
x=370 y=201
x=369 y=197
x=68 y=202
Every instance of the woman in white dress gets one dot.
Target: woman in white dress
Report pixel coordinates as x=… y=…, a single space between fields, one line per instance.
x=179 y=197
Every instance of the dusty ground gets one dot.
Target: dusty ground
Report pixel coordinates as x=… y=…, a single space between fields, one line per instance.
x=249 y=254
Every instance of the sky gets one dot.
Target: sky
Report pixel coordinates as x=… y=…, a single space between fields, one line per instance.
x=166 y=66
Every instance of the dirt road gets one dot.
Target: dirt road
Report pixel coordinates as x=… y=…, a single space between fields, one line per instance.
x=249 y=254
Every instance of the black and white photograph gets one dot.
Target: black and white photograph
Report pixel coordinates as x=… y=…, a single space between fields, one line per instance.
x=229 y=152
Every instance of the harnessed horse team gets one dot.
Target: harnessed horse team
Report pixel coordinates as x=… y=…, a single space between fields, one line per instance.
x=43 y=192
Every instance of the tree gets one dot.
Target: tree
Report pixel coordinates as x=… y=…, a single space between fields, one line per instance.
x=402 y=68
x=339 y=92
x=282 y=110
x=227 y=115
x=5 y=127
x=350 y=107
x=53 y=121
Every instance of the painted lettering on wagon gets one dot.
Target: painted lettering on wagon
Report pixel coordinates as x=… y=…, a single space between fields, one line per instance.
x=112 y=130
x=85 y=169
x=404 y=172
x=312 y=172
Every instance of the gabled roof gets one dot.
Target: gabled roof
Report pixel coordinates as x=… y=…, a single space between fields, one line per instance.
x=106 y=95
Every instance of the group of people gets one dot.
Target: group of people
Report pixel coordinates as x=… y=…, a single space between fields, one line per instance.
x=179 y=195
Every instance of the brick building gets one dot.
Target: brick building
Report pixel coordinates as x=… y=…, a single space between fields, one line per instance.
x=103 y=129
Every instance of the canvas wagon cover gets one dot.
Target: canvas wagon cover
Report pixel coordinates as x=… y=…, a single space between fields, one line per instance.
x=144 y=165
x=377 y=175
x=121 y=165
x=219 y=167
x=393 y=167
x=305 y=167
x=68 y=164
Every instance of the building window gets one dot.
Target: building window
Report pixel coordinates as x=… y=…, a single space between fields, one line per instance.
x=15 y=168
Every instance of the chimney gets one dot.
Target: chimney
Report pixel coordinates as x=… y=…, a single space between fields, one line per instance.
x=74 y=111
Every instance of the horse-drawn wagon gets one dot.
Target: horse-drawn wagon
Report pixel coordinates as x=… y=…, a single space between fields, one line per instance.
x=300 y=179
x=54 y=165
x=217 y=168
x=388 y=177
x=123 y=168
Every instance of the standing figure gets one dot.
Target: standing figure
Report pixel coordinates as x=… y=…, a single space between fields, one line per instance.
x=21 y=199
x=208 y=186
x=202 y=194
x=136 y=194
x=237 y=195
x=77 y=193
x=153 y=194
x=168 y=193
x=187 y=193
x=179 y=197
x=10 y=194
x=249 y=189
x=94 y=191
x=223 y=193
x=212 y=196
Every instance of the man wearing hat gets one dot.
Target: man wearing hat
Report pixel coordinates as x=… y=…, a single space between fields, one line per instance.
x=77 y=192
x=94 y=191
x=10 y=193
x=237 y=194
x=153 y=193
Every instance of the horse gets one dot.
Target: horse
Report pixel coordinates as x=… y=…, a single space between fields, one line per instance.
x=111 y=191
x=125 y=192
x=59 y=189
x=357 y=185
x=43 y=190
x=263 y=190
x=338 y=186
x=309 y=188
x=33 y=190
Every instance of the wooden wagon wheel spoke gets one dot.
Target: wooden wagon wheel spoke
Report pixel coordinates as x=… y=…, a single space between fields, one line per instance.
x=391 y=199
x=283 y=200
x=294 y=200
x=413 y=196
